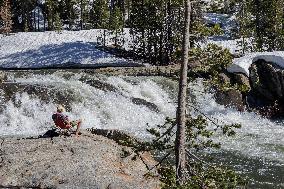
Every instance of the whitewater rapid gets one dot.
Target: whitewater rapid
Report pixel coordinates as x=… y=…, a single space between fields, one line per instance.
x=111 y=105
x=260 y=137
x=132 y=104
x=27 y=114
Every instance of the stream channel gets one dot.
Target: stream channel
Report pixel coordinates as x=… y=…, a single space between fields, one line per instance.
x=28 y=99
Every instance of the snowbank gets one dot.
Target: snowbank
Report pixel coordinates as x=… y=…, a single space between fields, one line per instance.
x=42 y=49
x=242 y=65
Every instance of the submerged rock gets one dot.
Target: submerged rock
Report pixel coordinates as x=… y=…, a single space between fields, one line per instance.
x=142 y=102
x=101 y=85
x=90 y=161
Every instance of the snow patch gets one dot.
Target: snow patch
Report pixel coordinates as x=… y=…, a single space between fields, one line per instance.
x=42 y=49
x=242 y=65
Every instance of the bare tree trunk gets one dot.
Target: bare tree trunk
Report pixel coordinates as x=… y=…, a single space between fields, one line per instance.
x=38 y=11
x=181 y=110
x=81 y=12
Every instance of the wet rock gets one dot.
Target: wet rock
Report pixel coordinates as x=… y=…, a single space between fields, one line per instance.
x=101 y=85
x=242 y=79
x=45 y=94
x=267 y=80
x=90 y=161
x=224 y=78
x=267 y=89
x=230 y=98
x=143 y=102
x=116 y=135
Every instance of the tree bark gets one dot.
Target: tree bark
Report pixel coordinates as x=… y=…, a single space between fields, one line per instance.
x=181 y=110
x=81 y=12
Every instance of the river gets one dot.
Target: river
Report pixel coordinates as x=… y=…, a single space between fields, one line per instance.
x=28 y=99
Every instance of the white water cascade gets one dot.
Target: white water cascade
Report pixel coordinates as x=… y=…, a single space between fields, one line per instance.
x=28 y=114
x=130 y=103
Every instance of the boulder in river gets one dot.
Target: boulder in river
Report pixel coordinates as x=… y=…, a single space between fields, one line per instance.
x=265 y=86
x=267 y=93
x=230 y=98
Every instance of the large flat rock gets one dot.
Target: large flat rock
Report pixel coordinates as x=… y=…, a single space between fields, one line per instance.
x=90 y=161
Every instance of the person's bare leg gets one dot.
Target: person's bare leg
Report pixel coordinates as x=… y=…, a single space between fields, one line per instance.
x=78 y=128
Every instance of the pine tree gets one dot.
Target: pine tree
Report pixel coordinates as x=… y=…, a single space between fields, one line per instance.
x=100 y=14
x=57 y=23
x=100 y=17
x=84 y=14
x=68 y=12
x=279 y=25
x=116 y=23
x=244 y=18
x=262 y=21
x=51 y=12
x=157 y=29
x=6 y=16
x=24 y=8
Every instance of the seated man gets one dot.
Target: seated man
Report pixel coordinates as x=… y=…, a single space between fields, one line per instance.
x=62 y=121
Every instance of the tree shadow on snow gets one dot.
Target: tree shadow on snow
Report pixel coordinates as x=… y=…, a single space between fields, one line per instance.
x=71 y=54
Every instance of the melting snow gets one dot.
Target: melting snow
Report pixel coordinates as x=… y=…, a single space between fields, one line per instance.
x=41 y=49
x=242 y=65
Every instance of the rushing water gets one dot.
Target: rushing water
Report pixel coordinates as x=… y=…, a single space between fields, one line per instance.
x=28 y=100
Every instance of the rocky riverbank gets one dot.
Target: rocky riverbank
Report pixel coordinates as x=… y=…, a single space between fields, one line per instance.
x=264 y=89
x=90 y=161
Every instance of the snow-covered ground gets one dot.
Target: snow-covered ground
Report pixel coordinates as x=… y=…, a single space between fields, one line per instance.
x=45 y=49
x=41 y=49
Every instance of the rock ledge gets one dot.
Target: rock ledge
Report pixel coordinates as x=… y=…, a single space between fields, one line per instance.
x=90 y=161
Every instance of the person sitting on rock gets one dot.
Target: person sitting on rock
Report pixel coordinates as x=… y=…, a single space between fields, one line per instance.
x=62 y=121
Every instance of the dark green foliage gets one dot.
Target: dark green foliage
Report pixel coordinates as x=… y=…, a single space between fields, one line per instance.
x=84 y=14
x=196 y=128
x=57 y=23
x=116 y=24
x=67 y=12
x=262 y=20
x=100 y=14
x=209 y=61
x=116 y=19
x=22 y=8
x=51 y=6
x=199 y=135
x=156 y=28
x=211 y=177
